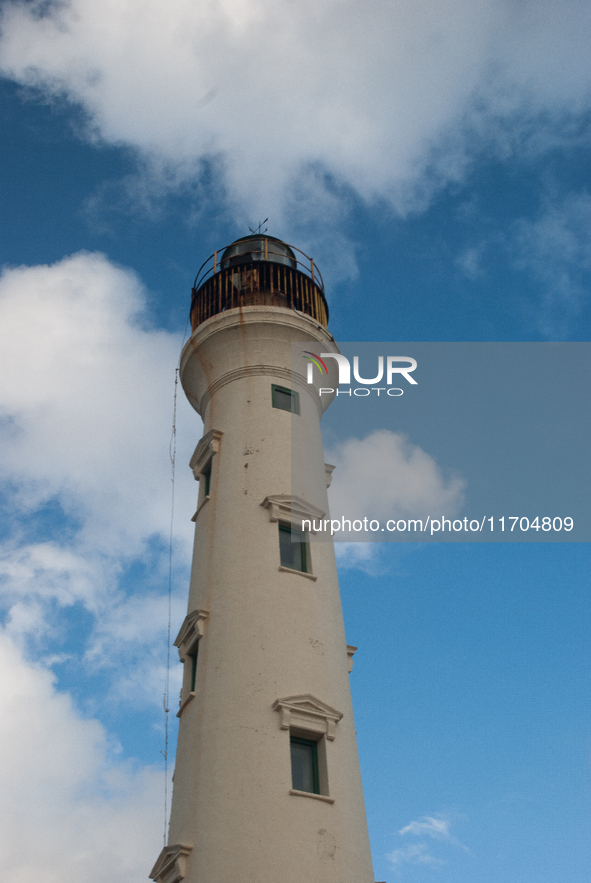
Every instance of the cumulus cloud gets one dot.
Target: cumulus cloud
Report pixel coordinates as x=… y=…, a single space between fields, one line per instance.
x=555 y=249
x=436 y=827
x=128 y=643
x=86 y=391
x=385 y=476
x=357 y=556
x=50 y=571
x=86 y=399
x=86 y=396
x=71 y=808
x=388 y=99
x=416 y=854
x=470 y=261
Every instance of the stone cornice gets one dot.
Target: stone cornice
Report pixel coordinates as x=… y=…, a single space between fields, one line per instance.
x=171 y=864
x=328 y=471
x=290 y=378
x=207 y=447
x=190 y=632
x=350 y=654
x=251 y=315
x=309 y=714
x=291 y=510
x=281 y=326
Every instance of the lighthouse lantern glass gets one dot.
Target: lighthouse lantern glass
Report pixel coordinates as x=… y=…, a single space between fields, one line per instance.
x=252 y=248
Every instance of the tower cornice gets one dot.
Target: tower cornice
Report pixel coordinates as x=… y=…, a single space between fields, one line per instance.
x=229 y=346
x=309 y=713
x=170 y=866
x=291 y=509
x=205 y=450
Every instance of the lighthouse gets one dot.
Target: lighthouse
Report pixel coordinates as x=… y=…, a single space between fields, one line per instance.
x=267 y=787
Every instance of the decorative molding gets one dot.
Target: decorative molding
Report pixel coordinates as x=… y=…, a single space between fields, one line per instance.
x=307 y=713
x=171 y=864
x=311 y=576
x=328 y=471
x=291 y=379
x=184 y=704
x=291 y=510
x=207 y=447
x=350 y=653
x=191 y=631
x=200 y=507
x=323 y=797
x=238 y=317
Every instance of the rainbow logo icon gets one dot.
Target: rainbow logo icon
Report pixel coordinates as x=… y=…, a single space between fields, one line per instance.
x=315 y=360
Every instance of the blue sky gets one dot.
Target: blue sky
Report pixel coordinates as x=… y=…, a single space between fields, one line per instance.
x=434 y=159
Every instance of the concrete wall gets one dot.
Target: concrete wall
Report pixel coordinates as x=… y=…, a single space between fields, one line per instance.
x=267 y=634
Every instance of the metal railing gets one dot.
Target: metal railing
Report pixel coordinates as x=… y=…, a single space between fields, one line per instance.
x=256 y=278
x=268 y=253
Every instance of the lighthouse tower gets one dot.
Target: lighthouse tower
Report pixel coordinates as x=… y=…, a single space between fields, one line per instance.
x=267 y=787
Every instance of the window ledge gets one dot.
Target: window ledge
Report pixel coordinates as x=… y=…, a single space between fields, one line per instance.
x=185 y=703
x=314 y=796
x=200 y=507
x=299 y=573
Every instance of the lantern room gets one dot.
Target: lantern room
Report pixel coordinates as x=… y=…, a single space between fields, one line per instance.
x=258 y=270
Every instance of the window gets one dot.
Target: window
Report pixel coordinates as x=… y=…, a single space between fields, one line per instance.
x=304 y=765
x=202 y=463
x=193 y=658
x=206 y=479
x=312 y=726
x=293 y=548
x=285 y=399
x=187 y=640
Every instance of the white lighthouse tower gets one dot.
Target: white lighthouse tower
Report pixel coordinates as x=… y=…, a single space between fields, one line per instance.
x=267 y=787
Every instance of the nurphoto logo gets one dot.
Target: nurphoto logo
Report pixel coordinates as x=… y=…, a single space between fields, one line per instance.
x=396 y=367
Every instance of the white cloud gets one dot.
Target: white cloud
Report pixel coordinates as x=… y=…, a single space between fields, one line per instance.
x=436 y=827
x=386 y=97
x=71 y=809
x=85 y=420
x=128 y=642
x=86 y=399
x=470 y=262
x=416 y=854
x=48 y=572
x=556 y=250
x=357 y=556
x=86 y=393
x=385 y=476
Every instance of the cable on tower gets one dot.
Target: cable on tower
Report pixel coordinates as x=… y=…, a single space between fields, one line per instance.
x=165 y=700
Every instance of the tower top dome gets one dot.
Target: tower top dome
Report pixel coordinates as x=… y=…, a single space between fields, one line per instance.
x=258 y=270
x=260 y=248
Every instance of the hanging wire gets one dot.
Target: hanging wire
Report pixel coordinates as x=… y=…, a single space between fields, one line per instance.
x=165 y=701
